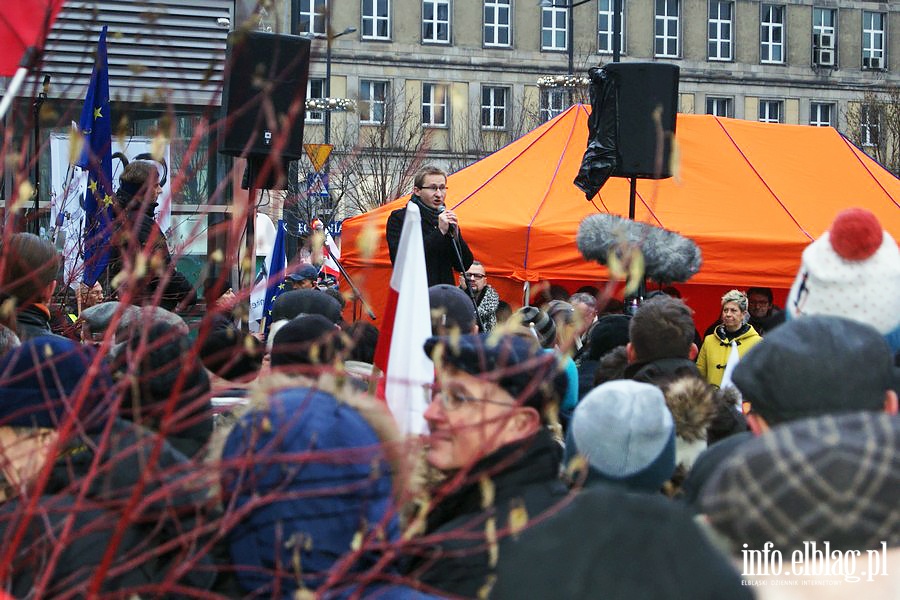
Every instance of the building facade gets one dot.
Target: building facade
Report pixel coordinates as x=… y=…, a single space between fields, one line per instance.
x=449 y=81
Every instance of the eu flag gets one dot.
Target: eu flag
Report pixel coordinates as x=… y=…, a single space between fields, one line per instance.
x=96 y=157
x=276 y=274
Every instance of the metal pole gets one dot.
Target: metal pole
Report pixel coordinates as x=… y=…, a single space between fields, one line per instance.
x=36 y=154
x=617 y=30
x=571 y=48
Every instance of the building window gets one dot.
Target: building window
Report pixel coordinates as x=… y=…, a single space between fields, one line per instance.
x=824 y=36
x=315 y=88
x=873 y=40
x=493 y=107
x=497 y=23
x=554 y=28
x=605 y=27
x=434 y=105
x=720 y=30
x=771 y=34
x=372 y=96
x=666 y=34
x=311 y=16
x=821 y=114
x=771 y=111
x=436 y=21
x=376 y=19
x=720 y=107
x=553 y=102
x=870 y=125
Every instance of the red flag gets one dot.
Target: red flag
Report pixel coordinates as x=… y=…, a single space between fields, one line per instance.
x=409 y=373
x=24 y=24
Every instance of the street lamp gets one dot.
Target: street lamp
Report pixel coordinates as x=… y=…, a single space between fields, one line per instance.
x=329 y=37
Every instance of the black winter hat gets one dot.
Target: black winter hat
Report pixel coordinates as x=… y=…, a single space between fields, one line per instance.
x=450 y=307
x=608 y=333
x=306 y=340
x=306 y=302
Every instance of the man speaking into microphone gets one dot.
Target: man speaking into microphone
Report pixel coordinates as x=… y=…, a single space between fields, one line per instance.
x=445 y=248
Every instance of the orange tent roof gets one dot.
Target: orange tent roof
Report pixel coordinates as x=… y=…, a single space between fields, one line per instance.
x=751 y=195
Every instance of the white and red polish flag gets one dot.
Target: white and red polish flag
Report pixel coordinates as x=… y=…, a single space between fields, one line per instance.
x=330 y=251
x=409 y=373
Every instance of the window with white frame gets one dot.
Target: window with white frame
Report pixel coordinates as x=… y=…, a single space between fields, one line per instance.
x=372 y=99
x=720 y=107
x=771 y=34
x=720 y=29
x=605 y=20
x=494 y=101
x=821 y=114
x=824 y=36
x=311 y=16
x=315 y=88
x=554 y=28
x=870 y=125
x=497 y=19
x=873 y=40
x=436 y=21
x=666 y=32
x=434 y=105
x=771 y=111
x=376 y=19
x=553 y=102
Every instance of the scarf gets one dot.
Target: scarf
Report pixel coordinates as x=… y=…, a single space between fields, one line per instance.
x=429 y=215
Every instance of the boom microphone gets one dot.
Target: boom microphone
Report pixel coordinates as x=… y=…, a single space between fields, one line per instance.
x=668 y=256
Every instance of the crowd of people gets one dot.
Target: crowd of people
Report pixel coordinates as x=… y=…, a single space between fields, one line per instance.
x=574 y=450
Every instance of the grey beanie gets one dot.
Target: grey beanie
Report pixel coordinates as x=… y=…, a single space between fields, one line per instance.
x=627 y=434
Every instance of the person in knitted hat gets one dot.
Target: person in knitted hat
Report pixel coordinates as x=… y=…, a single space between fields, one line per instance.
x=853 y=271
x=490 y=424
x=625 y=431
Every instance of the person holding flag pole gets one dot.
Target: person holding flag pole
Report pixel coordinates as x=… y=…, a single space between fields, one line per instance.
x=95 y=126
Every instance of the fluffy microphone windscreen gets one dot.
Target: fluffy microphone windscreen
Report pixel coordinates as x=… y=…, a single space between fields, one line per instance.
x=668 y=256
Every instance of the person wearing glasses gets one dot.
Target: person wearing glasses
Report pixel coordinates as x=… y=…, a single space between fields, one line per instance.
x=486 y=297
x=440 y=228
x=490 y=419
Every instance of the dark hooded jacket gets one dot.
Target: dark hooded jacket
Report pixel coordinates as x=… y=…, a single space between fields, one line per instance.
x=92 y=482
x=453 y=554
x=440 y=256
x=135 y=230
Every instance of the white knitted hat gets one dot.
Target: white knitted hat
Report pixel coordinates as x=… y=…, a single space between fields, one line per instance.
x=851 y=271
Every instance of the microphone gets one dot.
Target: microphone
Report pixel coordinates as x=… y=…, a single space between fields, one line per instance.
x=668 y=256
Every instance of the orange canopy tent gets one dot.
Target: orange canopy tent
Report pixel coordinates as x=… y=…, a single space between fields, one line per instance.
x=751 y=195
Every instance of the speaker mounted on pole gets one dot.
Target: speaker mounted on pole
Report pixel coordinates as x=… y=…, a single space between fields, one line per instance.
x=632 y=123
x=264 y=96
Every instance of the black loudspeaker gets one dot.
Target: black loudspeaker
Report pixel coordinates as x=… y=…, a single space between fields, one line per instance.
x=263 y=69
x=641 y=89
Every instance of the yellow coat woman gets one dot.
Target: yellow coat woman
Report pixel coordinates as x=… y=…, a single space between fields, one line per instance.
x=716 y=349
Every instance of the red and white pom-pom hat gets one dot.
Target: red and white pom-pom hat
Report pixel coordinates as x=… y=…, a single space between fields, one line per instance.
x=852 y=271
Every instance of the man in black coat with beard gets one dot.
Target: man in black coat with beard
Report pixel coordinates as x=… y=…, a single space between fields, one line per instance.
x=440 y=228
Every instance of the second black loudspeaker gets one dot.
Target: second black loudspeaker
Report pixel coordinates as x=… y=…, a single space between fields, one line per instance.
x=264 y=70
x=641 y=89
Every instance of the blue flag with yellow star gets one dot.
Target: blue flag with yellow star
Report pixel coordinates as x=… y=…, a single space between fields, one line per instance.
x=276 y=274
x=96 y=157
